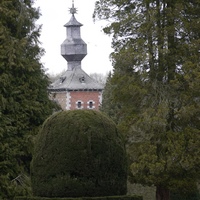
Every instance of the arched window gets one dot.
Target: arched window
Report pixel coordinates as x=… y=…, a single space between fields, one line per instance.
x=90 y=104
x=79 y=104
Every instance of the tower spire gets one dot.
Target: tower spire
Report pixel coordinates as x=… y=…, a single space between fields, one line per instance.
x=73 y=10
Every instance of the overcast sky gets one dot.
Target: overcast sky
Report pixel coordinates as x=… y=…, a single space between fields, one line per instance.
x=55 y=13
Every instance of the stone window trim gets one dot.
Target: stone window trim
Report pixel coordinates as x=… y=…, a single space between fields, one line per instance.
x=79 y=104
x=90 y=104
x=68 y=101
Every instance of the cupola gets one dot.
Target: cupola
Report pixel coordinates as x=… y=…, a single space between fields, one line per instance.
x=73 y=49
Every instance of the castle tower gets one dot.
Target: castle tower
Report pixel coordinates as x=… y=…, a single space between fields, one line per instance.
x=75 y=89
x=73 y=49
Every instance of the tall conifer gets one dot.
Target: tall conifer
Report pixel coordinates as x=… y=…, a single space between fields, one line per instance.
x=24 y=102
x=156 y=81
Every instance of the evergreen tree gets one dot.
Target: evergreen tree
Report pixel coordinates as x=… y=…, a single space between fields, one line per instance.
x=108 y=106
x=156 y=82
x=24 y=102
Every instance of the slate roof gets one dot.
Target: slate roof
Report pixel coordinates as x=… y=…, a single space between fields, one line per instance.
x=75 y=80
x=73 y=22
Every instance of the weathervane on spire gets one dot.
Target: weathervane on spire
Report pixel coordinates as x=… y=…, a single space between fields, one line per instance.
x=73 y=10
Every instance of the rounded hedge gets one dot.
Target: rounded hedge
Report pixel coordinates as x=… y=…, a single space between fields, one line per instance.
x=79 y=153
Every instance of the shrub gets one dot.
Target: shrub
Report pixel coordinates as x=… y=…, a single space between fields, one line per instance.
x=180 y=196
x=79 y=153
x=132 y=197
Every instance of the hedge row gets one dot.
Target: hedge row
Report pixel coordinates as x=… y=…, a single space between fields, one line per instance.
x=84 y=198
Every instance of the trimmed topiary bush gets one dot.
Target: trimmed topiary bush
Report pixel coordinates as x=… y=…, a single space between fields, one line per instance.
x=79 y=153
x=134 y=197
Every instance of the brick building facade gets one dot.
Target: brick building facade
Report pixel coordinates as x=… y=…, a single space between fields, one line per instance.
x=75 y=89
x=72 y=100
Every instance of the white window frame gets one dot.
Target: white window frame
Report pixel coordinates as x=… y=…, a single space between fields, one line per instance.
x=93 y=104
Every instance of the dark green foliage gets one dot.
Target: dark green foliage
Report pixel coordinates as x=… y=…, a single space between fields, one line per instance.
x=108 y=104
x=84 y=198
x=24 y=102
x=180 y=196
x=156 y=83
x=79 y=153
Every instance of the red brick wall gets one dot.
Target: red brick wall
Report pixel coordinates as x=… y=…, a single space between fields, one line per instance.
x=74 y=96
x=84 y=96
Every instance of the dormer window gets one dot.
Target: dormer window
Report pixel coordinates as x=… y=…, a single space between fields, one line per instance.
x=82 y=79
x=62 y=78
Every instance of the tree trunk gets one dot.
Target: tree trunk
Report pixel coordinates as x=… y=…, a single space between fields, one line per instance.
x=162 y=193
